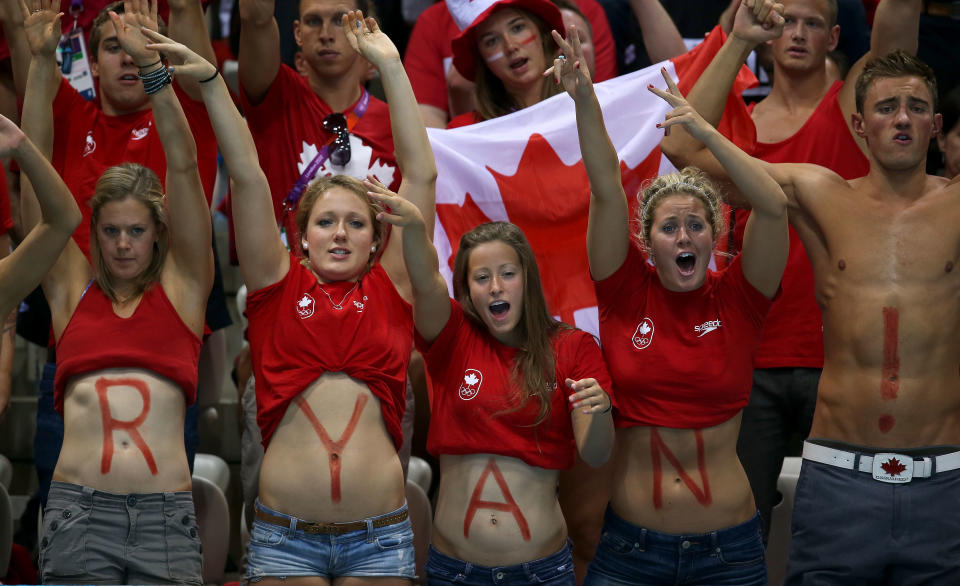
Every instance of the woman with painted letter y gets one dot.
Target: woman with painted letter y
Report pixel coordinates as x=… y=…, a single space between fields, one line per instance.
x=330 y=336
x=679 y=340
x=128 y=333
x=516 y=394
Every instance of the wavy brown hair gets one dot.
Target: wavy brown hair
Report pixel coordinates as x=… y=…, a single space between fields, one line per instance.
x=688 y=181
x=534 y=366
x=493 y=99
x=103 y=17
x=133 y=181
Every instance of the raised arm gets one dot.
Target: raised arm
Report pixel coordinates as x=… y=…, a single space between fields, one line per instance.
x=414 y=155
x=188 y=26
x=190 y=260
x=608 y=233
x=259 y=56
x=431 y=301
x=755 y=22
x=661 y=38
x=263 y=258
x=12 y=15
x=766 y=241
x=63 y=284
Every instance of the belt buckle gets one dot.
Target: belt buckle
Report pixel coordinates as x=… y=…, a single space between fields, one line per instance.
x=892 y=468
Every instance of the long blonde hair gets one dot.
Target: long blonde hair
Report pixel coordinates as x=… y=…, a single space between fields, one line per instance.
x=120 y=182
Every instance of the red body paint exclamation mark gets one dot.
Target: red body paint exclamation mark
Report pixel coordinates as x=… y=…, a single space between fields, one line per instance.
x=890 y=375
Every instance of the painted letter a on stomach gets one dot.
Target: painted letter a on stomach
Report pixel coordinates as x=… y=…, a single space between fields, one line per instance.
x=510 y=506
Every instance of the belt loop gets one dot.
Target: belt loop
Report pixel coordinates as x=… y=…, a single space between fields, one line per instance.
x=370 y=535
x=933 y=465
x=86 y=496
x=856 y=463
x=292 y=528
x=714 y=540
x=643 y=539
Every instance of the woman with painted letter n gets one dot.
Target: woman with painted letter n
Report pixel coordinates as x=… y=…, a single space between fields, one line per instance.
x=128 y=340
x=516 y=394
x=679 y=340
x=330 y=336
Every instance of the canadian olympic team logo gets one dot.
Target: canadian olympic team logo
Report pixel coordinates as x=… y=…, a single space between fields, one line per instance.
x=472 y=379
x=305 y=306
x=643 y=337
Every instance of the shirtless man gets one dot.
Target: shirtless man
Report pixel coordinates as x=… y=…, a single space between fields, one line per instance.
x=878 y=492
x=805 y=105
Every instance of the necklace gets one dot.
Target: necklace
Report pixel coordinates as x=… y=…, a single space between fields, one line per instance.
x=338 y=306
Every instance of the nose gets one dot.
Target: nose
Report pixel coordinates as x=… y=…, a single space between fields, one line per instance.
x=799 y=31
x=496 y=285
x=903 y=116
x=127 y=59
x=341 y=233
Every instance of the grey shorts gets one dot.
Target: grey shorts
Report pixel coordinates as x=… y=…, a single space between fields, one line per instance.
x=850 y=530
x=100 y=537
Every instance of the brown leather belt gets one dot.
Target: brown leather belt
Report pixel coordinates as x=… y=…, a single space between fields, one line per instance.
x=331 y=528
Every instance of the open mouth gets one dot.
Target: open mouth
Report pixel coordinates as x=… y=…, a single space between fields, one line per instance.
x=129 y=77
x=902 y=138
x=686 y=262
x=340 y=252
x=499 y=308
x=519 y=63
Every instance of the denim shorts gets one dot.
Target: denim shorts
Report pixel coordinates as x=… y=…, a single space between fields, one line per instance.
x=629 y=555
x=92 y=536
x=555 y=569
x=286 y=552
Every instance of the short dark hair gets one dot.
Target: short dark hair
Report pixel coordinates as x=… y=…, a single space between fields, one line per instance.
x=896 y=64
x=96 y=37
x=361 y=5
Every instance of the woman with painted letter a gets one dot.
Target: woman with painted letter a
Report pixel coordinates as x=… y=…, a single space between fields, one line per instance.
x=679 y=340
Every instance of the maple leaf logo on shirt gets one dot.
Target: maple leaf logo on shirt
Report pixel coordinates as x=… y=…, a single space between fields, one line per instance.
x=471 y=379
x=893 y=467
x=644 y=329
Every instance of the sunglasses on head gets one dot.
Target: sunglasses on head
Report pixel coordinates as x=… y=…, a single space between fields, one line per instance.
x=336 y=123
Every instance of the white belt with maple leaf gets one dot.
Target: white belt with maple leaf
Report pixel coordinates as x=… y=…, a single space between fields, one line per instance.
x=885 y=466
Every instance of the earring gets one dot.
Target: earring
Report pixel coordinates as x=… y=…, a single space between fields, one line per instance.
x=304 y=245
x=373 y=248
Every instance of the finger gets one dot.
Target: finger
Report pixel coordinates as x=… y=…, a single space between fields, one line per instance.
x=764 y=11
x=565 y=47
x=154 y=12
x=157 y=37
x=393 y=219
x=376 y=182
x=671 y=86
x=558 y=69
x=548 y=72
x=372 y=25
x=577 y=47
x=668 y=98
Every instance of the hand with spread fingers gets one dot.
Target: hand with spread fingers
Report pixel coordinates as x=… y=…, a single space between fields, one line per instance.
x=365 y=36
x=758 y=21
x=683 y=113
x=187 y=63
x=402 y=212
x=137 y=14
x=569 y=68
x=588 y=395
x=41 y=25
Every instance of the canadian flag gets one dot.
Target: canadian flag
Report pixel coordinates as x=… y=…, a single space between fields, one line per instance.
x=526 y=168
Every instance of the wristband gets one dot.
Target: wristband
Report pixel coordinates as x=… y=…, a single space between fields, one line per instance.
x=609 y=407
x=216 y=72
x=159 y=61
x=156 y=80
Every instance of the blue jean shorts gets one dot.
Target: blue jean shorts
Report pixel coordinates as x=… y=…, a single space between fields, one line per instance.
x=629 y=555
x=555 y=569
x=286 y=552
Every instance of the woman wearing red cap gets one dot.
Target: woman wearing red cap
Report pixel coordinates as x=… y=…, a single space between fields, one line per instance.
x=504 y=47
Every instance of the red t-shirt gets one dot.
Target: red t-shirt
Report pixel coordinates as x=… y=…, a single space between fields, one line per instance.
x=287 y=127
x=474 y=391
x=430 y=53
x=793 y=331
x=87 y=142
x=154 y=338
x=680 y=360
x=296 y=336
x=6 y=219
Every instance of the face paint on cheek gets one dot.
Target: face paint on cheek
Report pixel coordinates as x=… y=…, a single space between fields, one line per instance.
x=102 y=385
x=510 y=506
x=528 y=40
x=495 y=57
x=335 y=448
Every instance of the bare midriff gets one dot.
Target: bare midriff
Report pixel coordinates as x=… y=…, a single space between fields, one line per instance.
x=331 y=458
x=123 y=433
x=496 y=510
x=681 y=480
x=888 y=291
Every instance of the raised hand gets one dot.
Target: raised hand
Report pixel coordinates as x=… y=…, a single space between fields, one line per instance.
x=588 y=395
x=683 y=113
x=365 y=36
x=186 y=62
x=570 y=67
x=758 y=21
x=137 y=14
x=11 y=137
x=41 y=25
x=402 y=212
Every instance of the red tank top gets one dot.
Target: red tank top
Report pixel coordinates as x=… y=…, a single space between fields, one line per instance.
x=679 y=359
x=793 y=331
x=296 y=336
x=473 y=401
x=154 y=338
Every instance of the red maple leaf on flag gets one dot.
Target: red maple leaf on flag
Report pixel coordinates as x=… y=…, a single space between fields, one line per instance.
x=893 y=467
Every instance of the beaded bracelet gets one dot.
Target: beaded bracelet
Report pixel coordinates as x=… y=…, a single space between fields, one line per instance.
x=216 y=72
x=155 y=80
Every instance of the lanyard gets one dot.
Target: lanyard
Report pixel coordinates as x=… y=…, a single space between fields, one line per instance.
x=290 y=203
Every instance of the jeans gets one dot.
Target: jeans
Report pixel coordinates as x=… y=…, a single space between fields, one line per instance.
x=629 y=555
x=555 y=569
